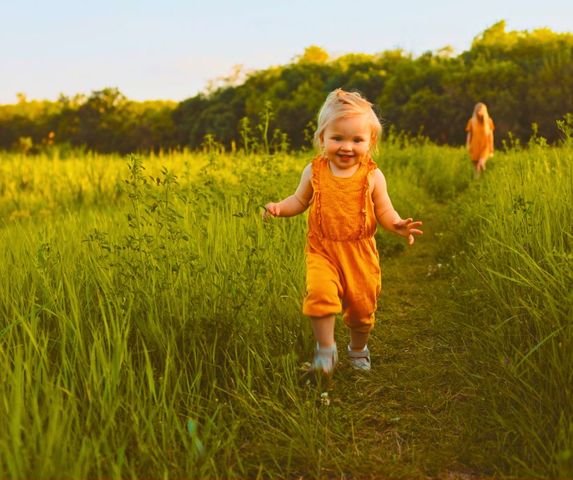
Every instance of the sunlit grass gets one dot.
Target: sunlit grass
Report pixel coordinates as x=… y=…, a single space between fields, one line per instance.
x=157 y=297
x=517 y=284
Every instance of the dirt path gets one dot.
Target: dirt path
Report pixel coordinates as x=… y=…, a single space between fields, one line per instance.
x=405 y=414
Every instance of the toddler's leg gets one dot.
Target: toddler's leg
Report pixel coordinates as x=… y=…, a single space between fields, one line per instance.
x=326 y=354
x=358 y=339
x=321 y=303
x=360 y=305
x=323 y=329
x=358 y=352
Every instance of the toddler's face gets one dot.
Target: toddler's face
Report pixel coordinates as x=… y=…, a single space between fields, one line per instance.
x=346 y=141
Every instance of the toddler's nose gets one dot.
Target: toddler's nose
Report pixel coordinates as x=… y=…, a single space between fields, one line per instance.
x=346 y=147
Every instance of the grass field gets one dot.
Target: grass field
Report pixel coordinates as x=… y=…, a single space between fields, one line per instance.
x=152 y=327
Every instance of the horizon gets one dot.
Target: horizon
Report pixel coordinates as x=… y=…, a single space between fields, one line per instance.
x=174 y=51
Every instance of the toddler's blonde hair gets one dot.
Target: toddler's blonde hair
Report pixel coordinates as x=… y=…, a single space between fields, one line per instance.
x=342 y=104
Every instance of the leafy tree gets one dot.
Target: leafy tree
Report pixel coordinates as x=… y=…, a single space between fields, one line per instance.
x=313 y=54
x=523 y=76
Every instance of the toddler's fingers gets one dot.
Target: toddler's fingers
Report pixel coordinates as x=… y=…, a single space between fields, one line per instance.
x=410 y=239
x=416 y=231
x=270 y=209
x=401 y=223
x=415 y=224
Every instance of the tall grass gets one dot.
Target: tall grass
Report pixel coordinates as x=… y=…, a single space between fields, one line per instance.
x=516 y=293
x=162 y=336
x=152 y=326
x=41 y=185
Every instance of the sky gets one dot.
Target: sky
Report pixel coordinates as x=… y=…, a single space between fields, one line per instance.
x=172 y=49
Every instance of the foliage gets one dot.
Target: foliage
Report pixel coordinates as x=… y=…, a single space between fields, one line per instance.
x=106 y=121
x=524 y=77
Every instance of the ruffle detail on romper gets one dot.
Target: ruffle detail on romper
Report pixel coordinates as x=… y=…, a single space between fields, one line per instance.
x=317 y=165
x=370 y=165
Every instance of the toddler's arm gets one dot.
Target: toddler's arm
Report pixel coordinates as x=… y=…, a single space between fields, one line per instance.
x=385 y=213
x=296 y=203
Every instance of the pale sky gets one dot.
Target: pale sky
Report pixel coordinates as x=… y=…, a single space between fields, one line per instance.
x=170 y=49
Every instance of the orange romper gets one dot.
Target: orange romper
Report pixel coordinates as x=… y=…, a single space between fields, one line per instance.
x=342 y=263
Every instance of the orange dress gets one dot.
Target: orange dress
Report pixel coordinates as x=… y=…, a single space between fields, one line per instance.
x=342 y=263
x=480 y=143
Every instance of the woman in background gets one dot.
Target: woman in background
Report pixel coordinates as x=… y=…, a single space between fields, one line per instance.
x=479 y=141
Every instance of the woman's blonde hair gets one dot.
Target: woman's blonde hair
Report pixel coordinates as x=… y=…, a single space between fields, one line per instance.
x=341 y=104
x=484 y=121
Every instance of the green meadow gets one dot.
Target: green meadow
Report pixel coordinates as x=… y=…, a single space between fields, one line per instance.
x=151 y=322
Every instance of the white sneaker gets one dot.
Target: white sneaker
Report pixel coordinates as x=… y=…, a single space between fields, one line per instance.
x=325 y=359
x=360 y=360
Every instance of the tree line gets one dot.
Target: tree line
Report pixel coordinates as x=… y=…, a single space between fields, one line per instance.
x=525 y=78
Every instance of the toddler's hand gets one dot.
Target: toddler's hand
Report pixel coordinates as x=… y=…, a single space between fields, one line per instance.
x=271 y=210
x=408 y=228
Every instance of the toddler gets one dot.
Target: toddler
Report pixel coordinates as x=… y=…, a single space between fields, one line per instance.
x=347 y=196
